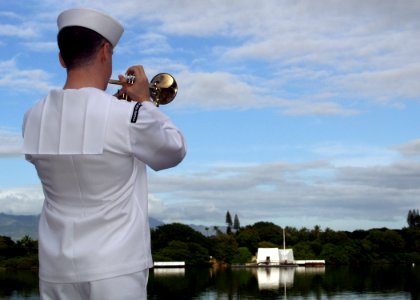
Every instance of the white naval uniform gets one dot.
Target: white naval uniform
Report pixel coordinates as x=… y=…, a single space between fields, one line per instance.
x=90 y=151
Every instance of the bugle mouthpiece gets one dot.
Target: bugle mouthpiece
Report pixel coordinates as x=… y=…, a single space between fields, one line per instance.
x=115 y=81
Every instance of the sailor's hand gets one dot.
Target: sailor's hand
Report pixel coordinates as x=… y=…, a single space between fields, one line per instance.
x=139 y=90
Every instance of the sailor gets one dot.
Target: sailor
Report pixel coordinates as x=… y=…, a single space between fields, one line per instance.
x=91 y=151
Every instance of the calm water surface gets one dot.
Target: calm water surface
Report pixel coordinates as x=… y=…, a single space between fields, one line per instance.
x=374 y=282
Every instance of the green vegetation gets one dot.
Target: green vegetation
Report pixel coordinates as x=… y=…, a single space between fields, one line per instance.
x=178 y=242
x=413 y=218
x=374 y=246
x=21 y=255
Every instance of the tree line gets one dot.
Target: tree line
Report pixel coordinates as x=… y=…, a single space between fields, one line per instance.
x=178 y=242
x=238 y=245
x=20 y=254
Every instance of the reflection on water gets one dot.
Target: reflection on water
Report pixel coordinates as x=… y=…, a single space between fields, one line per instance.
x=161 y=272
x=372 y=282
x=19 y=285
x=273 y=277
x=368 y=282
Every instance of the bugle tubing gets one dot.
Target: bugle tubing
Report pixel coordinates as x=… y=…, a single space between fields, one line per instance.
x=163 y=88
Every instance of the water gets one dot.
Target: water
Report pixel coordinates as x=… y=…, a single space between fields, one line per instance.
x=367 y=282
x=19 y=285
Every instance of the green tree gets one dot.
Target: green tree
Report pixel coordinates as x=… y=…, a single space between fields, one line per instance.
x=27 y=246
x=269 y=232
x=7 y=247
x=249 y=238
x=236 y=224
x=192 y=254
x=228 y=230
x=199 y=255
x=164 y=234
x=385 y=241
x=217 y=230
x=303 y=250
x=334 y=237
x=174 y=251
x=413 y=218
x=228 y=220
x=316 y=232
x=224 y=248
x=243 y=256
x=411 y=237
x=335 y=254
x=265 y=244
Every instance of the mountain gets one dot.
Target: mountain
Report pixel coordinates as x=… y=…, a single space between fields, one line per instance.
x=154 y=222
x=16 y=227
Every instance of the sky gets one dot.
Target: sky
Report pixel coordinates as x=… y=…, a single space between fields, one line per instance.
x=300 y=113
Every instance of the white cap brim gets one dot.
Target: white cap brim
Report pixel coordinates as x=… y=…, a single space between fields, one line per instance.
x=103 y=24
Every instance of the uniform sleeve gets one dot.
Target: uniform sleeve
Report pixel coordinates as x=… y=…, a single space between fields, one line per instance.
x=154 y=139
x=25 y=118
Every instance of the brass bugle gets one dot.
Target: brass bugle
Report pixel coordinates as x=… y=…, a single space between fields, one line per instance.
x=163 y=88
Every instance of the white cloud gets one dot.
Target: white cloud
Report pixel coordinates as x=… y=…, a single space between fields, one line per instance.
x=291 y=194
x=10 y=142
x=152 y=43
x=42 y=46
x=219 y=90
x=223 y=90
x=411 y=148
x=22 y=201
x=356 y=155
x=384 y=85
x=10 y=15
x=297 y=57
x=368 y=50
x=157 y=208
x=28 y=80
x=282 y=191
x=316 y=108
x=22 y=31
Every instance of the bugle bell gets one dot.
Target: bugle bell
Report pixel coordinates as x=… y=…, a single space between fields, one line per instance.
x=163 y=88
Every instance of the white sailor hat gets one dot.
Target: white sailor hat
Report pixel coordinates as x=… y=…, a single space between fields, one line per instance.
x=94 y=20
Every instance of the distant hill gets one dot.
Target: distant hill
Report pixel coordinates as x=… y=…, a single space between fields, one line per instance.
x=17 y=226
x=154 y=222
